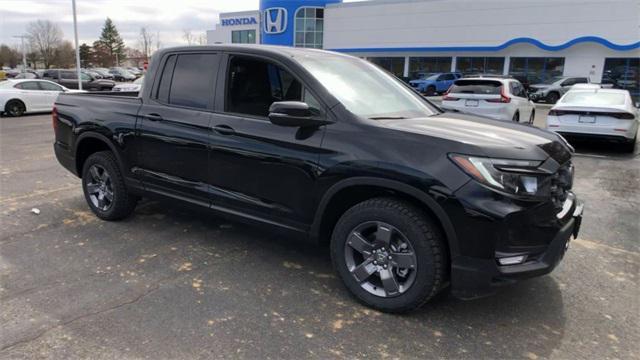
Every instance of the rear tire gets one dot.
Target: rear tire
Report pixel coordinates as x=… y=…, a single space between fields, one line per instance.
x=389 y=254
x=15 y=108
x=630 y=146
x=516 y=117
x=104 y=188
x=532 y=117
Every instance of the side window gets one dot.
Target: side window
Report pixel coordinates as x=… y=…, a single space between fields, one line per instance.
x=85 y=77
x=68 y=75
x=162 y=92
x=253 y=85
x=193 y=80
x=568 y=82
x=449 y=77
x=51 y=74
x=47 y=86
x=580 y=81
x=28 y=85
x=442 y=78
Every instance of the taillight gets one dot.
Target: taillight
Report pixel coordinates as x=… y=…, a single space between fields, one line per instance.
x=446 y=96
x=503 y=97
x=54 y=118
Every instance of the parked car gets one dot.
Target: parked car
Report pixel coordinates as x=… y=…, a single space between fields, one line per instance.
x=69 y=79
x=135 y=86
x=104 y=73
x=135 y=71
x=330 y=147
x=553 y=88
x=500 y=98
x=27 y=75
x=121 y=74
x=436 y=83
x=602 y=114
x=94 y=74
x=21 y=96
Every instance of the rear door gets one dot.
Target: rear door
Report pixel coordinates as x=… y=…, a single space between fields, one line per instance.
x=261 y=170
x=174 y=127
x=520 y=99
x=444 y=82
x=50 y=92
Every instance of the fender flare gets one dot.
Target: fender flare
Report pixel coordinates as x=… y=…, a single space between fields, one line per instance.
x=428 y=201
x=98 y=136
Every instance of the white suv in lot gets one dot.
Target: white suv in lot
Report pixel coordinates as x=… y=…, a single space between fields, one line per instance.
x=497 y=98
x=603 y=114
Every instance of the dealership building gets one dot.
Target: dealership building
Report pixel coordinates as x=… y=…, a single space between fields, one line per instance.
x=537 y=39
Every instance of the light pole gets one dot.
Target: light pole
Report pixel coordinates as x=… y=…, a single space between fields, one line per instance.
x=75 y=31
x=24 y=52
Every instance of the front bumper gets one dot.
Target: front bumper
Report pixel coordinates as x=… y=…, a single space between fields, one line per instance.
x=535 y=233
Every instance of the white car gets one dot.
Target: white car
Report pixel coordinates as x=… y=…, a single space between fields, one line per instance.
x=607 y=114
x=135 y=86
x=22 y=96
x=497 y=98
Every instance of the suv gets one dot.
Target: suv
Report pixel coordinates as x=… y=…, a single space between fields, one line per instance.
x=553 y=88
x=499 y=98
x=69 y=79
x=435 y=83
x=329 y=147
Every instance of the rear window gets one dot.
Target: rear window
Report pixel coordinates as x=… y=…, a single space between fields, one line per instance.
x=593 y=98
x=481 y=87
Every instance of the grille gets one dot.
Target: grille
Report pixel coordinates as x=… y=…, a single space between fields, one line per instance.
x=561 y=183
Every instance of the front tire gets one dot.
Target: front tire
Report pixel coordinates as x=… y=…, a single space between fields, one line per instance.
x=15 y=108
x=104 y=188
x=630 y=146
x=532 y=117
x=516 y=117
x=431 y=91
x=552 y=97
x=389 y=254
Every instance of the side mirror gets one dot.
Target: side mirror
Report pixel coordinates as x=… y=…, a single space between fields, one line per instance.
x=295 y=114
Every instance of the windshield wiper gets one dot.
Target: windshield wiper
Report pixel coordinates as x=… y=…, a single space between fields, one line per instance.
x=387 y=117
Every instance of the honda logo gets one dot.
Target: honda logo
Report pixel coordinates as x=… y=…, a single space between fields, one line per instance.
x=275 y=20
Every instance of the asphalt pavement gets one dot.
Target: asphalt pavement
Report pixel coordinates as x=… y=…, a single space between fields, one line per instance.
x=172 y=283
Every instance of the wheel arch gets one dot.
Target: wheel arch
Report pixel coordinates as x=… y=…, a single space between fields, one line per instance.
x=24 y=104
x=91 y=142
x=346 y=193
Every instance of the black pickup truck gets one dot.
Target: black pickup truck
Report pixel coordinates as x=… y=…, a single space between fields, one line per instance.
x=325 y=146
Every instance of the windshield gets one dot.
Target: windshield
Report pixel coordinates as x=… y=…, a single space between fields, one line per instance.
x=593 y=98
x=551 y=80
x=364 y=89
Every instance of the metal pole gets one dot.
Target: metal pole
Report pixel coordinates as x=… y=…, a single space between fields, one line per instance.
x=24 y=55
x=24 y=52
x=75 y=31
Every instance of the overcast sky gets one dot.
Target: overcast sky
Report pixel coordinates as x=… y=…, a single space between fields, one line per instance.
x=168 y=17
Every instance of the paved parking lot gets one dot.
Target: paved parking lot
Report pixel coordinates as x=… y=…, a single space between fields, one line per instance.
x=170 y=283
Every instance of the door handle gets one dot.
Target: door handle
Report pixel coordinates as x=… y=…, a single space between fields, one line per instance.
x=224 y=129
x=153 y=117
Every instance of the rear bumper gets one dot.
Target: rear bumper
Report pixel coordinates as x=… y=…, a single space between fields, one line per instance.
x=599 y=137
x=64 y=158
x=533 y=232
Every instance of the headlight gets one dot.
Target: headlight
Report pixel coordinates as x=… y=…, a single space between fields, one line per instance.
x=518 y=177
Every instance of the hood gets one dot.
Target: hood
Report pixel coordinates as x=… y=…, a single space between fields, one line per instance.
x=486 y=137
x=539 y=86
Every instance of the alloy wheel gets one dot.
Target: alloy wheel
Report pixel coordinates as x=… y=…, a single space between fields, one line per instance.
x=381 y=259
x=100 y=187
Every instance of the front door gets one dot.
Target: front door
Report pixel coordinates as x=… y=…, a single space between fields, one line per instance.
x=262 y=170
x=174 y=127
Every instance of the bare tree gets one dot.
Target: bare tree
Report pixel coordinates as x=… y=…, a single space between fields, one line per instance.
x=158 y=43
x=44 y=37
x=202 y=39
x=188 y=37
x=146 y=41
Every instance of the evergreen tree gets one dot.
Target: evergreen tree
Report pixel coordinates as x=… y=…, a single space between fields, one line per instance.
x=85 y=55
x=112 y=42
